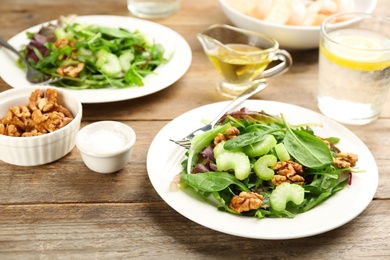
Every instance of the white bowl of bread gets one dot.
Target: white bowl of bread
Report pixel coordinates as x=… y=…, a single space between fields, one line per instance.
x=295 y=24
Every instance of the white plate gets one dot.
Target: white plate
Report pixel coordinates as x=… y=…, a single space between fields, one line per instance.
x=165 y=76
x=334 y=212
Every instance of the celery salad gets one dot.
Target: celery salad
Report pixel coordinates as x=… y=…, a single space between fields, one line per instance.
x=86 y=56
x=256 y=164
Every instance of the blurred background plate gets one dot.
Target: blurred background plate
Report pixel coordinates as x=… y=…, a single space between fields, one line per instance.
x=177 y=51
x=289 y=37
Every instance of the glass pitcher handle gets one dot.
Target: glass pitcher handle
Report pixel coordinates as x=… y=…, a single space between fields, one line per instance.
x=282 y=67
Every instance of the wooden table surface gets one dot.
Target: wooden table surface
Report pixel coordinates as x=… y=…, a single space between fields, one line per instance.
x=62 y=210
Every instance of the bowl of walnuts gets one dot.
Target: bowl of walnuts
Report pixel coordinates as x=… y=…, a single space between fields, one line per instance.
x=37 y=126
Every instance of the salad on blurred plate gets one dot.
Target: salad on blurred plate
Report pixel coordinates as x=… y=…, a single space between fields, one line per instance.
x=92 y=56
x=100 y=58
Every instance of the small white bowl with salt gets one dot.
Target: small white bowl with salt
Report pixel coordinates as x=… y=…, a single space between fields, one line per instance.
x=105 y=146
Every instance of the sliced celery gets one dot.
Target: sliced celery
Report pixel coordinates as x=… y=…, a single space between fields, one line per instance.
x=108 y=63
x=218 y=149
x=236 y=161
x=281 y=152
x=284 y=193
x=261 y=167
x=260 y=148
x=125 y=60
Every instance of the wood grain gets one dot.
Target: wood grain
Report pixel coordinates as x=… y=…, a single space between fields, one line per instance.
x=62 y=210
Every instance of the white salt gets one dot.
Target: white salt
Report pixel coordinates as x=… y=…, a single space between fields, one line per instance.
x=105 y=140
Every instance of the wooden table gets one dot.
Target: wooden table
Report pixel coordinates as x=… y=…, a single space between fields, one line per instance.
x=62 y=210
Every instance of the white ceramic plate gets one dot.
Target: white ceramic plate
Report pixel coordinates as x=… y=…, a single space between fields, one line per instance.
x=334 y=212
x=165 y=76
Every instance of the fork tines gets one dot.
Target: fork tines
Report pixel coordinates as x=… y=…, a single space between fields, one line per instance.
x=184 y=143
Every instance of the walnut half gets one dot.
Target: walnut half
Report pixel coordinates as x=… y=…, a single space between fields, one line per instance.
x=246 y=201
x=288 y=171
x=70 y=70
x=230 y=134
x=345 y=160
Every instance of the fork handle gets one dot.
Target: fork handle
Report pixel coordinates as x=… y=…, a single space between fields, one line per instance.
x=8 y=46
x=256 y=88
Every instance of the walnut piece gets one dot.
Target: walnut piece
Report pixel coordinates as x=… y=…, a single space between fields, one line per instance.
x=219 y=138
x=278 y=179
x=11 y=119
x=71 y=70
x=60 y=43
x=230 y=133
x=345 y=160
x=75 y=68
x=43 y=100
x=41 y=115
x=288 y=171
x=52 y=122
x=10 y=130
x=32 y=133
x=331 y=146
x=21 y=111
x=286 y=167
x=246 y=201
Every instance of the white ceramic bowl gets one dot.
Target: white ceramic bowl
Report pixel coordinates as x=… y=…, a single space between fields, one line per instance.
x=38 y=150
x=289 y=37
x=105 y=146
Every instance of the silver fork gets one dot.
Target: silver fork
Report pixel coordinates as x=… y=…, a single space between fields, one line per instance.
x=256 y=88
x=33 y=75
